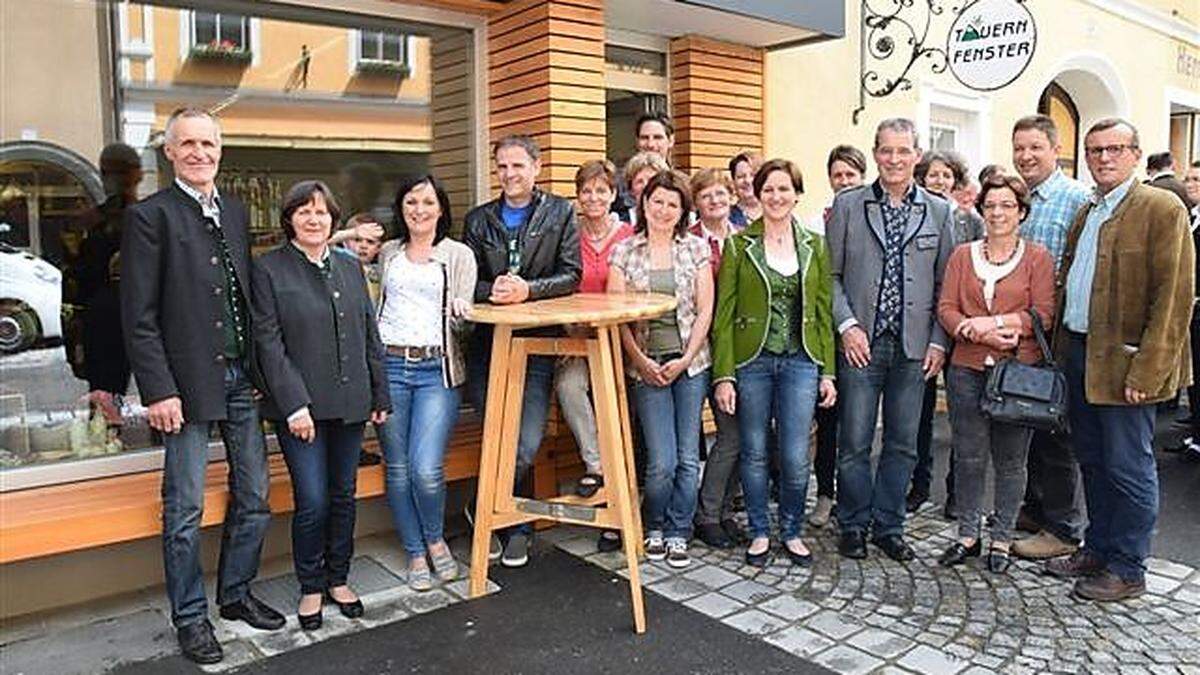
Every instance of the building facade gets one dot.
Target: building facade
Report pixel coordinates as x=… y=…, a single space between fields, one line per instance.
x=359 y=92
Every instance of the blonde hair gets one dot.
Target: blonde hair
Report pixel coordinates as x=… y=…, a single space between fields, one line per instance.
x=642 y=161
x=706 y=178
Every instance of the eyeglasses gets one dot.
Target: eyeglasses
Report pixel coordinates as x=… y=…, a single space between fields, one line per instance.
x=1000 y=206
x=1096 y=152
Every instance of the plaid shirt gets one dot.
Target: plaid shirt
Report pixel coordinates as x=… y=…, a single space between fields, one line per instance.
x=1054 y=203
x=689 y=255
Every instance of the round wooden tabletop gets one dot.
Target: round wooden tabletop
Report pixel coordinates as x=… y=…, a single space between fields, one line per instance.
x=595 y=309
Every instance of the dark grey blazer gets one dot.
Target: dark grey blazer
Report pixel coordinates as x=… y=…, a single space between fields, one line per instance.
x=317 y=340
x=855 y=236
x=171 y=302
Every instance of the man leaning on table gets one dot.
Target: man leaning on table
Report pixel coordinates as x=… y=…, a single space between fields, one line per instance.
x=526 y=245
x=1125 y=286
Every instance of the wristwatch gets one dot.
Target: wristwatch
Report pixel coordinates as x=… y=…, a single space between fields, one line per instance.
x=999 y=321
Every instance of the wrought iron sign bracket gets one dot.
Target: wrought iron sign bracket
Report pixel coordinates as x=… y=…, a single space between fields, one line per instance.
x=899 y=31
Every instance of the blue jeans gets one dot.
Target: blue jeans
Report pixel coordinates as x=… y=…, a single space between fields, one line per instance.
x=535 y=407
x=876 y=502
x=670 y=418
x=1120 y=478
x=324 y=475
x=184 y=465
x=788 y=384
x=414 y=440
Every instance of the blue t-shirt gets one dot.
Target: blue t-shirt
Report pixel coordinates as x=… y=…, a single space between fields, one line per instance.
x=514 y=217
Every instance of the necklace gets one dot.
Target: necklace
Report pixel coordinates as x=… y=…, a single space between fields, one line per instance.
x=601 y=237
x=988 y=256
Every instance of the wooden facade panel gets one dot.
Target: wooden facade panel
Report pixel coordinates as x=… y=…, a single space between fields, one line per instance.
x=717 y=100
x=553 y=92
x=720 y=137
x=752 y=92
x=689 y=56
x=716 y=111
x=722 y=75
x=684 y=96
x=547 y=59
x=720 y=124
x=546 y=79
x=703 y=44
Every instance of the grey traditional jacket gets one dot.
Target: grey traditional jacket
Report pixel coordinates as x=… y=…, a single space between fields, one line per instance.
x=855 y=234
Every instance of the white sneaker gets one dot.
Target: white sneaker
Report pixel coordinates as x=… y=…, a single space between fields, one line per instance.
x=822 y=512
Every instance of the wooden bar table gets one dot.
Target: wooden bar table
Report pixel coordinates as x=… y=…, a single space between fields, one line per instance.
x=614 y=506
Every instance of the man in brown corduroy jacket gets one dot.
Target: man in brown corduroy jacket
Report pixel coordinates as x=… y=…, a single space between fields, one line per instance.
x=1125 y=289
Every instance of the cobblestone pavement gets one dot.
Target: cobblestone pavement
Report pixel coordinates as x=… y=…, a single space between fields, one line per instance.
x=103 y=635
x=877 y=615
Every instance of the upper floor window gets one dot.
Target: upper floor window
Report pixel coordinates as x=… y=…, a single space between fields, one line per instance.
x=230 y=32
x=378 y=45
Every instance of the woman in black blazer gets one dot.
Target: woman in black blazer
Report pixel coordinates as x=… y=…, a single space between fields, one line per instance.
x=322 y=363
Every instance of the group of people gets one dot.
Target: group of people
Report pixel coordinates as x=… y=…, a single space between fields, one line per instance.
x=779 y=322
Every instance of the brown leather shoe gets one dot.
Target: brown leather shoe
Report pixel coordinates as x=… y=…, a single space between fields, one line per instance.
x=1081 y=563
x=1042 y=546
x=1025 y=523
x=1108 y=587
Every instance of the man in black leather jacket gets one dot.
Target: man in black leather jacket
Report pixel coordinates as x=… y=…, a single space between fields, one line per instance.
x=526 y=245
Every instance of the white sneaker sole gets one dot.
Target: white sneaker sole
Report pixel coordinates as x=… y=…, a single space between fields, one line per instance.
x=679 y=564
x=515 y=562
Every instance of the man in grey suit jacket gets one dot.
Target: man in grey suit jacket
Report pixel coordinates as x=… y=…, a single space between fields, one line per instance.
x=889 y=243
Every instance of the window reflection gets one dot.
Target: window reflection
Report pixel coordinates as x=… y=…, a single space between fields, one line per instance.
x=349 y=101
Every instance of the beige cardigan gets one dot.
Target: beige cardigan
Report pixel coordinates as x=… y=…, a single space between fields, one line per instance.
x=458 y=266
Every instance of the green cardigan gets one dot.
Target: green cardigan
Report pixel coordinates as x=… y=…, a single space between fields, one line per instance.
x=744 y=301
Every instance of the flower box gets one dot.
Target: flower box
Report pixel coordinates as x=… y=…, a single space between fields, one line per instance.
x=371 y=67
x=221 y=52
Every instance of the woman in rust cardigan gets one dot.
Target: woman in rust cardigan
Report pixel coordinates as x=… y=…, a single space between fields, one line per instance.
x=989 y=288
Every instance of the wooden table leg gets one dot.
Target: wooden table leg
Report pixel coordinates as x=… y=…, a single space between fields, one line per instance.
x=510 y=429
x=613 y=459
x=618 y=378
x=489 y=458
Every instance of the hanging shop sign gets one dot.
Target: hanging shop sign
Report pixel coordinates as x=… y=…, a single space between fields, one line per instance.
x=991 y=43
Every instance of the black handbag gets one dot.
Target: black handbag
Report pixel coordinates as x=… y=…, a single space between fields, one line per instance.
x=1033 y=396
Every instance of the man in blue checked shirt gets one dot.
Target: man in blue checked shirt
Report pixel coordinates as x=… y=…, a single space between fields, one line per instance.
x=1052 y=507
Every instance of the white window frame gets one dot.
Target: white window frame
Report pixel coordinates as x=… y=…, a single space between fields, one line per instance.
x=187 y=35
x=354 y=50
x=974 y=137
x=938 y=126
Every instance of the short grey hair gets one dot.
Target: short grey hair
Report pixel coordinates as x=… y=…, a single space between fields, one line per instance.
x=518 y=141
x=1113 y=122
x=189 y=113
x=900 y=125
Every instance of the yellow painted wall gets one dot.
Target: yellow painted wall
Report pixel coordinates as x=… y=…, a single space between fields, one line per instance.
x=57 y=95
x=811 y=90
x=329 y=74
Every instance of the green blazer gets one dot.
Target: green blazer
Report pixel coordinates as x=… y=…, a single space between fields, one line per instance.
x=744 y=300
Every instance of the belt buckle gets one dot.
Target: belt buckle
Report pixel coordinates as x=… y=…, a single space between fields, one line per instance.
x=412 y=355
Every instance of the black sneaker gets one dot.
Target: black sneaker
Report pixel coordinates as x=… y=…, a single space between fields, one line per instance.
x=677 y=553
x=656 y=548
x=608 y=541
x=516 y=551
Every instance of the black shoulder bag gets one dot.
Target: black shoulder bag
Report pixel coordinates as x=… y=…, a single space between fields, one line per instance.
x=1033 y=396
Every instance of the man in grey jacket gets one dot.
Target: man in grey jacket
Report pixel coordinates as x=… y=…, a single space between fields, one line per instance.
x=889 y=242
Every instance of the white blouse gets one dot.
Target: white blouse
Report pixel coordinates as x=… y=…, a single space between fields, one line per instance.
x=412 y=304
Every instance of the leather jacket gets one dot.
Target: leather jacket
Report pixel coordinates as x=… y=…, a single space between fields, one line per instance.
x=549 y=246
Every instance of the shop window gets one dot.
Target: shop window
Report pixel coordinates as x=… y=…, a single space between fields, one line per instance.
x=69 y=409
x=1058 y=105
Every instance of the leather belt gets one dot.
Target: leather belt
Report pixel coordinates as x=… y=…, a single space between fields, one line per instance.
x=415 y=353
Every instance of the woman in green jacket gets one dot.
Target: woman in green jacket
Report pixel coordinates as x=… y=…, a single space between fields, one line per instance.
x=773 y=335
